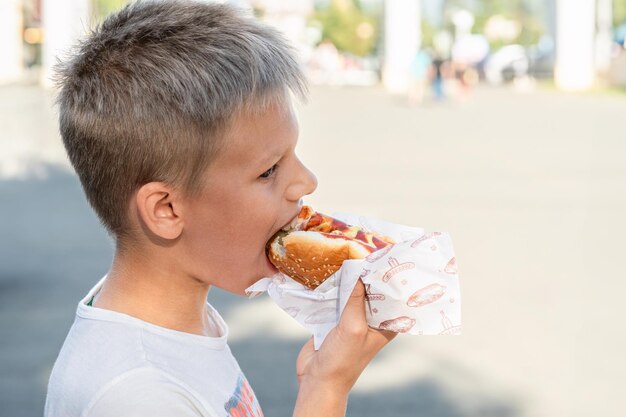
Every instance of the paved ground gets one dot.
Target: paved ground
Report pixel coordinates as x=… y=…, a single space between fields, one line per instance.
x=530 y=186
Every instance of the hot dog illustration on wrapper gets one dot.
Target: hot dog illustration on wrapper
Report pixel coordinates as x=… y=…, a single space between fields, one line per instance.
x=396 y=268
x=451 y=267
x=399 y=324
x=426 y=295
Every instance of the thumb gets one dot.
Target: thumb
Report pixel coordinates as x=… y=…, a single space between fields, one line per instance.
x=353 y=314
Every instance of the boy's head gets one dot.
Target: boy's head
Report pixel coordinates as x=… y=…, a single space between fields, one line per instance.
x=152 y=94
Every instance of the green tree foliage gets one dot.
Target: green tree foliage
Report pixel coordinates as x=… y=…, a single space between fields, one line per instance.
x=102 y=8
x=348 y=27
x=428 y=34
x=619 y=12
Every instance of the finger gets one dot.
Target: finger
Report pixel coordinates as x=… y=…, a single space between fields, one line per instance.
x=353 y=315
x=307 y=346
x=304 y=358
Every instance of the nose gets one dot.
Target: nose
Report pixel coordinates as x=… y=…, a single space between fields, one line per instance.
x=304 y=183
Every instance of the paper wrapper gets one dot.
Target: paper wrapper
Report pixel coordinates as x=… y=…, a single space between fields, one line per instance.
x=412 y=287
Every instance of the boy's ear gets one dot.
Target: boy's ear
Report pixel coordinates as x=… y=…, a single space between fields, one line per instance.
x=159 y=210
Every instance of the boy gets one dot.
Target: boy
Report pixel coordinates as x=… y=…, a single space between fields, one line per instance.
x=177 y=119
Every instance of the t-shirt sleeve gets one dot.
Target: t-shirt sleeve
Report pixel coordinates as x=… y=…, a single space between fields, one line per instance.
x=146 y=393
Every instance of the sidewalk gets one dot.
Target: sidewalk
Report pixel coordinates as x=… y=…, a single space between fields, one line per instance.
x=530 y=187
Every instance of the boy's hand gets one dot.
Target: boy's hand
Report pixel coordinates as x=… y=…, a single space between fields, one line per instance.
x=326 y=376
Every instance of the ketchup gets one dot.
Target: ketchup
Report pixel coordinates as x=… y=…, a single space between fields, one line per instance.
x=319 y=222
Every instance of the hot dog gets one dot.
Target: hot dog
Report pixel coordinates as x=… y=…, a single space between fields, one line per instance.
x=314 y=245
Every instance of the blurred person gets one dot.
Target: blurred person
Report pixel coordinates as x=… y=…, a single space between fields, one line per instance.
x=438 y=72
x=465 y=77
x=419 y=77
x=326 y=57
x=177 y=118
x=325 y=63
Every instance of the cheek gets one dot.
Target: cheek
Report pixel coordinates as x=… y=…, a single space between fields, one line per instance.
x=243 y=233
x=241 y=222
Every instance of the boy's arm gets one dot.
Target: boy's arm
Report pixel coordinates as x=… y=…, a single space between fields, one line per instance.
x=326 y=376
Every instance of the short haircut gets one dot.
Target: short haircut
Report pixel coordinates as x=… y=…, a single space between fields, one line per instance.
x=147 y=95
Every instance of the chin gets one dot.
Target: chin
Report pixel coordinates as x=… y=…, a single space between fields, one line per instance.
x=250 y=280
x=264 y=268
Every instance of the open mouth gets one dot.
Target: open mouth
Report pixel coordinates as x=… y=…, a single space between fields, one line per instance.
x=290 y=222
x=282 y=231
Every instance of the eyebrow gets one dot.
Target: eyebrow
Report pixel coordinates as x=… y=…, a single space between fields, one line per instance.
x=274 y=156
x=270 y=158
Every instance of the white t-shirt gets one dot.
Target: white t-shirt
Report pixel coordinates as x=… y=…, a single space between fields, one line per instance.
x=115 y=365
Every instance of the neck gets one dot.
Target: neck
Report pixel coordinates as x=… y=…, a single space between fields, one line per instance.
x=150 y=290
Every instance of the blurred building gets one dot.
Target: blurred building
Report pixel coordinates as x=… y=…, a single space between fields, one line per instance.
x=35 y=33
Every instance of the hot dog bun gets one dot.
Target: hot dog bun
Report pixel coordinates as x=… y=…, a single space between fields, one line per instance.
x=313 y=246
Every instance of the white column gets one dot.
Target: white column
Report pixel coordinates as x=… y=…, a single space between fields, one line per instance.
x=402 y=40
x=64 y=22
x=575 y=34
x=604 y=42
x=11 y=47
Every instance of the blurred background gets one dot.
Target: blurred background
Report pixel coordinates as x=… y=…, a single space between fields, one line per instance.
x=501 y=122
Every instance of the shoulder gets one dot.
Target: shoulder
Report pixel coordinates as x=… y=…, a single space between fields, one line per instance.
x=147 y=392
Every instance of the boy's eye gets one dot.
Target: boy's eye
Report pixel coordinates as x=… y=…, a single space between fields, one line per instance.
x=269 y=172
